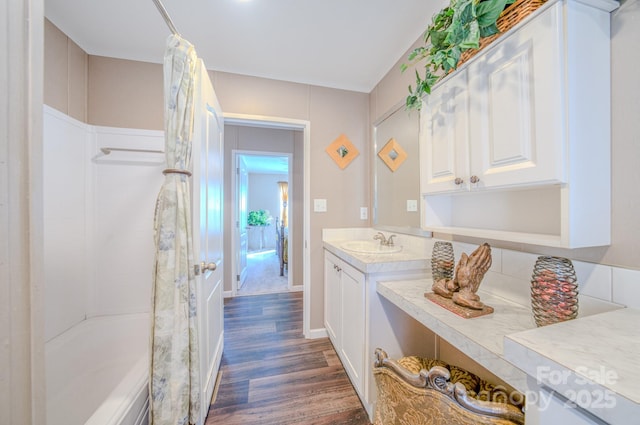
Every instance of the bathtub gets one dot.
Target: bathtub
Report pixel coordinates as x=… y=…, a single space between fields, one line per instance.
x=97 y=372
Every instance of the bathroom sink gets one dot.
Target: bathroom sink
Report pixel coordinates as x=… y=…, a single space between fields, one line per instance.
x=370 y=247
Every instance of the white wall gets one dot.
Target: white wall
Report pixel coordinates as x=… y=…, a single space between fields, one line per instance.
x=263 y=193
x=98 y=220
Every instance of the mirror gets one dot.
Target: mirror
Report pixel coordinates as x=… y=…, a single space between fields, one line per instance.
x=396 y=168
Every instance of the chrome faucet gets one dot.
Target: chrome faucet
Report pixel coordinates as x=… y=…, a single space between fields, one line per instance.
x=383 y=239
x=390 y=240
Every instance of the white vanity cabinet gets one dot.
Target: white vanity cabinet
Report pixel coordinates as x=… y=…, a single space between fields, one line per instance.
x=515 y=145
x=344 y=315
x=358 y=321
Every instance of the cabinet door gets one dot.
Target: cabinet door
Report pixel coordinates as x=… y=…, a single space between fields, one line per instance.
x=353 y=325
x=332 y=298
x=444 y=136
x=518 y=107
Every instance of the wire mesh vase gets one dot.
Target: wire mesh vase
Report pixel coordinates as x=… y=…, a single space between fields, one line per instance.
x=554 y=291
x=442 y=261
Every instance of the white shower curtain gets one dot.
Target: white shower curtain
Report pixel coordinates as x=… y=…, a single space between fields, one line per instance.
x=174 y=382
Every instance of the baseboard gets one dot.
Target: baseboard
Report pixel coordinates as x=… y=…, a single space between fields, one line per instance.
x=316 y=333
x=227 y=294
x=296 y=288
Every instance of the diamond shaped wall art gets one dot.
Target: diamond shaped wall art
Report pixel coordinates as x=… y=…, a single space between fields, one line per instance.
x=392 y=154
x=342 y=151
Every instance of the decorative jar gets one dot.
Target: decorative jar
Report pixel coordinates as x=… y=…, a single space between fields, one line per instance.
x=442 y=261
x=554 y=290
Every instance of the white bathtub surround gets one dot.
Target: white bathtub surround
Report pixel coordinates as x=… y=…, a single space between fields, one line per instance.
x=97 y=372
x=98 y=258
x=98 y=212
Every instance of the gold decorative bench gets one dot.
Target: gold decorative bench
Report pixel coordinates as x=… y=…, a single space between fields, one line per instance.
x=417 y=391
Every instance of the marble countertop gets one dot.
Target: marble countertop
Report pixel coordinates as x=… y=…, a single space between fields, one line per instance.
x=409 y=258
x=594 y=361
x=480 y=338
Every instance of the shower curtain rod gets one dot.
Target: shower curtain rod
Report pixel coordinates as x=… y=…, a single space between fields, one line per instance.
x=166 y=17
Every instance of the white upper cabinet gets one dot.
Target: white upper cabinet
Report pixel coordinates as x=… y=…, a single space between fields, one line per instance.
x=515 y=145
x=444 y=135
x=516 y=110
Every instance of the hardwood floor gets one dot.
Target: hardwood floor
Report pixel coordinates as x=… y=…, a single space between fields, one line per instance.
x=272 y=375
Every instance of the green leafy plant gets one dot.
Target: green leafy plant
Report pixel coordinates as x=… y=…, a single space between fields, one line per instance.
x=258 y=218
x=456 y=28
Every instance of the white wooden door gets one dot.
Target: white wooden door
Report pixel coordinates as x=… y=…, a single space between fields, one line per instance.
x=208 y=198
x=242 y=183
x=518 y=108
x=444 y=137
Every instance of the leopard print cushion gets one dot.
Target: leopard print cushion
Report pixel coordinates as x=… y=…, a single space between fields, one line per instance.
x=476 y=387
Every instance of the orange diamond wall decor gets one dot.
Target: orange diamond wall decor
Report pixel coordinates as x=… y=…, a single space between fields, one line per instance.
x=342 y=151
x=392 y=154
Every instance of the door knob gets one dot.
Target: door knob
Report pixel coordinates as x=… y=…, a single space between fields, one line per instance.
x=458 y=181
x=204 y=266
x=474 y=179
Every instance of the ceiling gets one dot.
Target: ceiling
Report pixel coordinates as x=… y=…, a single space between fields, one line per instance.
x=345 y=44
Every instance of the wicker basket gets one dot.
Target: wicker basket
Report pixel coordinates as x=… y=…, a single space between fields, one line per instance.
x=513 y=14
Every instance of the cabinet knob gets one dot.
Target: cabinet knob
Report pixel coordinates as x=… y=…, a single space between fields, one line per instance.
x=458 y=181
x=474 y=179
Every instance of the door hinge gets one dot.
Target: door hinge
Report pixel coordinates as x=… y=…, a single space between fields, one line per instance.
x=238 y=277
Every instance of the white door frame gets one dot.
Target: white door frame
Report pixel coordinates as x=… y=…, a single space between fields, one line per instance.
x=305 y=126
x=235 y=153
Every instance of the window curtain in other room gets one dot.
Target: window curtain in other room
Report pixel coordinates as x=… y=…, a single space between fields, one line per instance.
x=284 y=198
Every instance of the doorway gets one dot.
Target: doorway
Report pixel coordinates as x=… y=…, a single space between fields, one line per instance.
x=263 y=182
x=303 y=127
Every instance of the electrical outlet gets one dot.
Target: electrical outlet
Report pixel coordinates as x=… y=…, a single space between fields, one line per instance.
x=320 y=205
x=412 y=205
x=364 y=214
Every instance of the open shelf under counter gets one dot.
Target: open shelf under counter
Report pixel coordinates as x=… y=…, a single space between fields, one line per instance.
x=480 y=338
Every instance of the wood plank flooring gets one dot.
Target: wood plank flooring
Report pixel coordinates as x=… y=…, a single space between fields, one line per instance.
x=271 y=374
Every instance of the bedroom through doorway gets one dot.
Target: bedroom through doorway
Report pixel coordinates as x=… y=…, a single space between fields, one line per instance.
x=262 y=209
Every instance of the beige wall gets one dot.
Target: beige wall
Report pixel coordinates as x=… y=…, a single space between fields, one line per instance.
x=124 y=93
x=331 y=112
x=99 y=90
x=65 y=74
x=624 y=250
